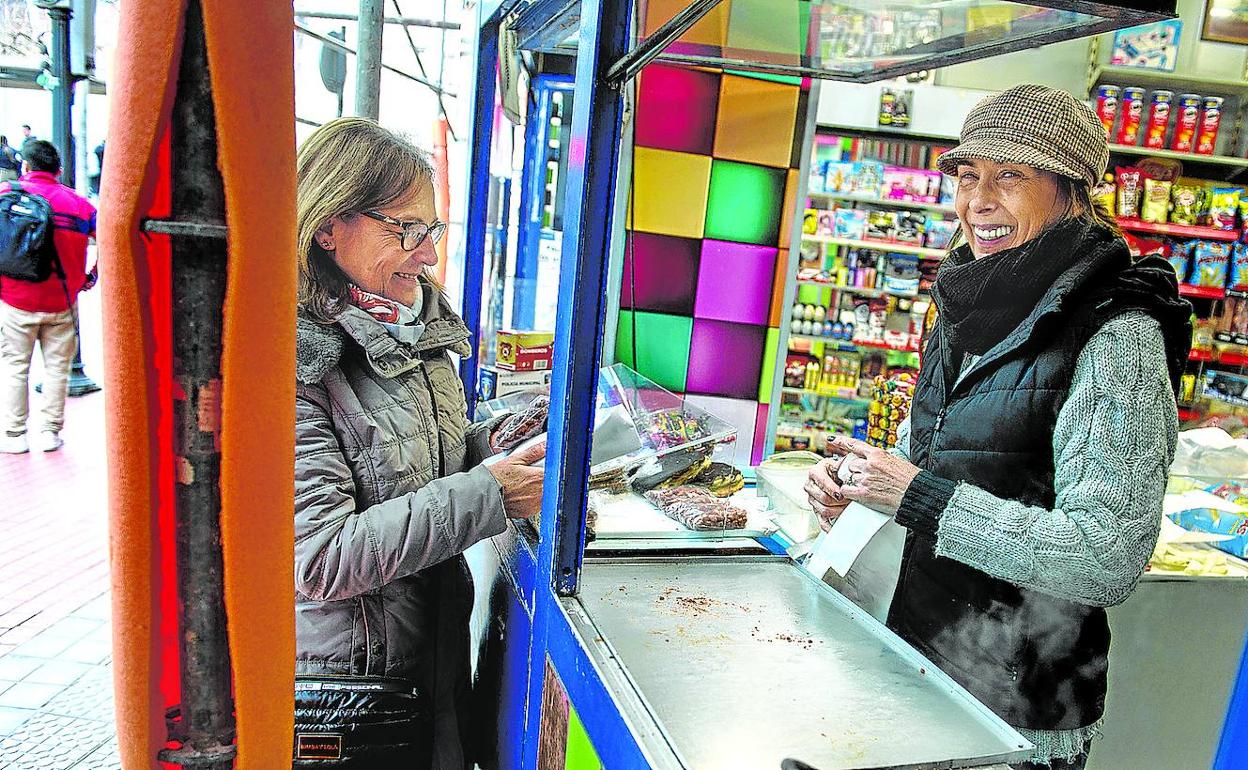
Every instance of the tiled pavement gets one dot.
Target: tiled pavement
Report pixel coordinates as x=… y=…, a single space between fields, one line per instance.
x=56 y=698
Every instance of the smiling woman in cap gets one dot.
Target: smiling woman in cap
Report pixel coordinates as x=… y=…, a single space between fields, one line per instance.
x=1031 y=470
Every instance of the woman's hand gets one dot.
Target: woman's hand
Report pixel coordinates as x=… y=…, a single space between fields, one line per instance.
x=824 y=491
x=876 y=479
x=521 y=481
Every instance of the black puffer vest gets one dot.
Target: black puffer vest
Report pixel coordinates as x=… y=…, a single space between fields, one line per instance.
x=1037 y=661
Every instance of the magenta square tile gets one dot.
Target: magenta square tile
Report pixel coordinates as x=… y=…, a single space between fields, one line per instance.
x=676 y=109
x=665 y=276
x=760 y=435
x=735 y=282
x=725 y=359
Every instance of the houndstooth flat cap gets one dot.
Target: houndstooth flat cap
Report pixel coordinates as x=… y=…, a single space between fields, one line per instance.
x=1035 y=126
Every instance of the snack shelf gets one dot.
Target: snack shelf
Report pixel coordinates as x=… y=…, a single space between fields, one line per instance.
x=1185 y=231
x=942 y=208
x=1231 y=358
x=897 y=248
x=1200 y=355
x=1138 y=76
x=847 y=345
x=828 y=396
x=861 y=290
x=1201 y=292
x=1216 y=160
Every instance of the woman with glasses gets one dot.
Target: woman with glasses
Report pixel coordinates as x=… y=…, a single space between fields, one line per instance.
x=389 y=485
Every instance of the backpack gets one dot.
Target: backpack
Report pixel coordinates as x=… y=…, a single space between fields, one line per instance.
x=27 y=250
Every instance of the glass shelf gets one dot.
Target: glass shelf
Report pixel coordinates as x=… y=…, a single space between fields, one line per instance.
x=851 y=40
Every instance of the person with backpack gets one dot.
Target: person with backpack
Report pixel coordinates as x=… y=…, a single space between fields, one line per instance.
x=44 y=230
x=9 y=164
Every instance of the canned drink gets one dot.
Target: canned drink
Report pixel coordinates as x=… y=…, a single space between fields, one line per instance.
x=1158 y=120
x=1210 y=119
x=1186 y=122
x=1132 y=115
x=1107 y=106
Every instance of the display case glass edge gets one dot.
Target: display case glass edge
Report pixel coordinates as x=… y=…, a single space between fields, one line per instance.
x=790 y=275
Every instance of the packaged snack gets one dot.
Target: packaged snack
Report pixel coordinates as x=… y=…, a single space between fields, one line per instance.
x=1186 y=122
x=1188 y=200
x=1140 y=245
x=1239 y=271
x=824 y=223
x=1130 y=184
x=1243 y=217
x=1158 y=120
x=1180 y=258
x=810 y=221
x=867 y=178
x=837 y=176
x=1223 y=206
x=1107 y=106
x=1165 y=169
x=1156 y=201
x=881 y=225
x=1202 y=335
x=910 y=227
x=1209 y=263
x=1218 y=522
x=1187 y=389
x=849 y=223
x=1210 y=119
x=940 y=231
x=1104 y=192
x=1132 y=114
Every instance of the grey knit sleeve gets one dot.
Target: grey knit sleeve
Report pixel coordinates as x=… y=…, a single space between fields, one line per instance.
x=1112 y=445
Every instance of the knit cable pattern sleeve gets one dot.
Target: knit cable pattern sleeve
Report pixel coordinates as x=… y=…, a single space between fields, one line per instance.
x=1112 y=445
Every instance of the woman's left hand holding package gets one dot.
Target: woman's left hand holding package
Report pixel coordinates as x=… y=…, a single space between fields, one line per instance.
x=876 y=478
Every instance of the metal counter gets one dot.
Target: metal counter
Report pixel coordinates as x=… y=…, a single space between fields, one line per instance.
x=745 y=661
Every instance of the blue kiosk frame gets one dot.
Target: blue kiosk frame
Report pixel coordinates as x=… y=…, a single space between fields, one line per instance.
x=541 y=574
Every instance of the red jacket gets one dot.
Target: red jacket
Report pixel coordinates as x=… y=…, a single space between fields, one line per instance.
x=73 y=221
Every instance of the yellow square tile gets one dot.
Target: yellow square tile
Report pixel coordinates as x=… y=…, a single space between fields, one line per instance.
x=756 y=121
x=789 y=206
x=669 y=192
x=711 y=29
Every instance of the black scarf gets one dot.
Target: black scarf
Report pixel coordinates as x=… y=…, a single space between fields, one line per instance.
x=981 y=301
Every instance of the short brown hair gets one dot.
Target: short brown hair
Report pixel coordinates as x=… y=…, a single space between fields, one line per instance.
x=346 y=166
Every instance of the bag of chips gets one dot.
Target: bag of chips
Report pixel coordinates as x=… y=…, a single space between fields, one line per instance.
x=1130 y=183
x=1209 y=263
x=1223 y=206
x=1188 y=200
x=1239 y=266
x=1156 y=206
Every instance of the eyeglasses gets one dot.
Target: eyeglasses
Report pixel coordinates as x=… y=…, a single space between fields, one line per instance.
x=414 y=233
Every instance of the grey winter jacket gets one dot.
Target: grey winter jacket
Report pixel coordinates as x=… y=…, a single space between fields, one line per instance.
x=388 y=494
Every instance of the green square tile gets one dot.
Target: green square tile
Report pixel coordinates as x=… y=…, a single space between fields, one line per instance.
x=791 y=80
x=580 y=752
x=662 y=346
x=769 y=365
x=814 y=295
x=744 y=202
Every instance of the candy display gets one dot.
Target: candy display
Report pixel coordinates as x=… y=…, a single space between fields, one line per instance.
x=1158 y=120
x=1186 y=122
x=1156 y=205
x=890 y=403
x=1132 y=115
x=1187 y=200
x=1210 y=119
x=698 y=509
x=674 y=427
x=1130 y=183
x=1107 y=97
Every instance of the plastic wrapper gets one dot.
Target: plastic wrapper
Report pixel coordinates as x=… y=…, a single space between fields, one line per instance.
x=1188 y=203
x=1105 y=192
x=1156 y=205
x=698 y=509
x=1130 y=185
x=1209 y=263
x=1223 y=206
x=523 y=425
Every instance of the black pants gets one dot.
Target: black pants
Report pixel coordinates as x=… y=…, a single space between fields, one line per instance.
x=1058 y=764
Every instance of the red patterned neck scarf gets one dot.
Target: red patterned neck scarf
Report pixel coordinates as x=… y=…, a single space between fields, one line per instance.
x=387 y=311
